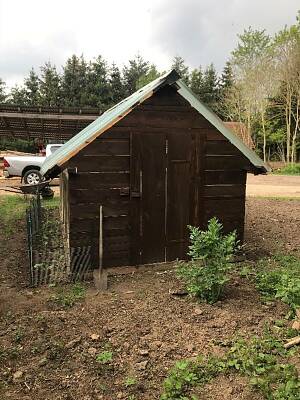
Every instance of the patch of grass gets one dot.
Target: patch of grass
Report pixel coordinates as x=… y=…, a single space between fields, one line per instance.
x=67 y=296
x=261 y=359
x=19 y=335
x=51 y=203
x=105 y=357
x=130 y=381
x=290 y=169
x=12 y=210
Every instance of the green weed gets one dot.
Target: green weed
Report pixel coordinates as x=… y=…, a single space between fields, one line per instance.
x=279 y=278
x=130 y=381
x=67 y=297
x=211 y=252
x=260 y=359
x=105 y=357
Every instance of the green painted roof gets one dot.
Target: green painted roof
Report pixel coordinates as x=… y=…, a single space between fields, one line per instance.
x=53 y=163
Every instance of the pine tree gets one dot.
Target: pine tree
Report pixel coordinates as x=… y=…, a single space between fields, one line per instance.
x=148 y=77
x=210 y=91
x=50 y=86
x=178 y=64
x=74 y=82
x=97 y=92
x=227 y=78
x=137 y=68
x=32 y=88
x=2 y=91
x=117 y=89
x=196 y=81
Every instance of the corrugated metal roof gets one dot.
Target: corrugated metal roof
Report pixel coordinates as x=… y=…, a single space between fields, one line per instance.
x=119 y=111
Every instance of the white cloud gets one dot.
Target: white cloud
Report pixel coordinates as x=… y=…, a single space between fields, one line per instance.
x=202 y=31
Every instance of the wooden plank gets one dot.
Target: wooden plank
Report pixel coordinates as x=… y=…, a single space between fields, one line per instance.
x=99 y=180
x=218 y=147
x=218 y=206
x=100 y=163
x=153 y=157
x=107 y=146
x=184 y=119
x=89 y=210
x=213 y=134
x=178 y=177
x=97 y=196
x=224 y=190
x=225 y=162
x=225 y=177
x=135 y=202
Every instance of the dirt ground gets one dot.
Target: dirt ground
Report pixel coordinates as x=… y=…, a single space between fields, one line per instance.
x=49 y=352
x=273 y=185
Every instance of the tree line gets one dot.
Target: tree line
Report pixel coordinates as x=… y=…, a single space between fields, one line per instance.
x=259 y=87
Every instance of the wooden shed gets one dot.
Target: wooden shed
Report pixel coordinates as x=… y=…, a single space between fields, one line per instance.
x=134 y=178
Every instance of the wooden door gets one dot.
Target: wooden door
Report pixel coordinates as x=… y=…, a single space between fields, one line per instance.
x=159 y=196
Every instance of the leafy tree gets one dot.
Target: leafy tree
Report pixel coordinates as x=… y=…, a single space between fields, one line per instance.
x=18 y=96
x=32 y=88
x=135 y=69
x=2 y=91
x=179 y=65
x=50 y=86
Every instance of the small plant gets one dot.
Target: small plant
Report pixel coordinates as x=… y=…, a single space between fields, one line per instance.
x=67 y=297
x=19 y=334
x=105 y=357
x=130 y=381
x=260 y=359
x=211 y=254
x=279 y=278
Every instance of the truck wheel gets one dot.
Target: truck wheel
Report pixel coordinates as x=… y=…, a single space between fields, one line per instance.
x=32 y=177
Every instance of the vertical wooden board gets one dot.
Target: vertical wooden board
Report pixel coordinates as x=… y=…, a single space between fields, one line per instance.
x=152 y=177
x=135 y=202
x=178 y=194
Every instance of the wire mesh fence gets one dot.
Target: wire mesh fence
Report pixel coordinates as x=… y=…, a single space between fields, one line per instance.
x=48 y=259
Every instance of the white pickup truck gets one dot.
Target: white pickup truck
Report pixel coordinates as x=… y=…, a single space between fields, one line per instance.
x=27 y=167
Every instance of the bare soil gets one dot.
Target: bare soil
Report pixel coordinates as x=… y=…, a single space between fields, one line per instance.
x=48 y=352
x=273 y=185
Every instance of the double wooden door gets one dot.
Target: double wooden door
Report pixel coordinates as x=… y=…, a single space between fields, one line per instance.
x=162 y=189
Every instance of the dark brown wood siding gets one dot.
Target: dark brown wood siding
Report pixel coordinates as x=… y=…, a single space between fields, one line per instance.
x=205 y=177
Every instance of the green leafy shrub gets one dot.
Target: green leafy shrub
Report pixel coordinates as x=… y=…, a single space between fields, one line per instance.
x=291 y=169
x=211 y=253
x=279 y=278
x=26 y=146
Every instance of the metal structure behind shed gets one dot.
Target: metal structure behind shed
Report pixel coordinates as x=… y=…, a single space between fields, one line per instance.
x=45 y=123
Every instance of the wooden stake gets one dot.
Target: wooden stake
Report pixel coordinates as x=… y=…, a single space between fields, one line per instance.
x=292 y=342
x=100 y=275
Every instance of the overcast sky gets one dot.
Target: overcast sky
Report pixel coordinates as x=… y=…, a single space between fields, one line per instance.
x=201 y=31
